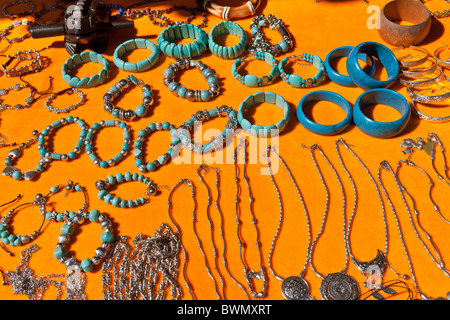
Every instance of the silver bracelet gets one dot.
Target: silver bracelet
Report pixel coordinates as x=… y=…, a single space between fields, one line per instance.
x=69 y=91
x=416 y=96
x=442 y=63
x=418 y=72
x=410 y=64
x=428 y=118
x=423 y=81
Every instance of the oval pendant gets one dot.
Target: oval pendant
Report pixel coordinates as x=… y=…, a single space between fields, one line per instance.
x=339 y=286
x=295 y=288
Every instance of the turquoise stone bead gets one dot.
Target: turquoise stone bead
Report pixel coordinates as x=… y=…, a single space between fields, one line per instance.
x=93 y=215
x=115 y=202
x=103 y=164
x=108 y=198
x=101 y=194
x=86 y=265
x=150 y=166
x=107 y=237
x=60 y=253
x=67 y=229
x=250 y=80
x=205 y=95
x=17 y=175
x=141 y=111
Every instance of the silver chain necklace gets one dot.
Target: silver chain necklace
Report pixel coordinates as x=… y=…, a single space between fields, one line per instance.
x=372 y=270
x=224 y=261
x=292 y=287
x=339 y=285
x=384 y=165
x=249 y=275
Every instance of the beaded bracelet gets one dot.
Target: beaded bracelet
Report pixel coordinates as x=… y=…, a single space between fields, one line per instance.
x=116 y=6
x=227 y=27
x=160 y=161
x=43 y=136
x=182 y=31
x=298 y=82
x=259 y=42
x=258 y=98
x=101 y=252
x=69 y=91
x=102 y=186
x=183 y=132
x=13 y=154
x=192 y=95
x=28 y=101
x=119 y=156
x=116 y=90
x=437 y=14
x=131 y=45
x=253 y=81
x=18 y=2
x=85 y=82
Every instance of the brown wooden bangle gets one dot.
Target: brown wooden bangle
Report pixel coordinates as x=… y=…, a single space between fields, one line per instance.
x=404 y=10
x=231 y=13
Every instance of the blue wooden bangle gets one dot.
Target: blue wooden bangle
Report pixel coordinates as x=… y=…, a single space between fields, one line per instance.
x=182 y=31
x=131 y=45
x=377 y=50
x=85 y=82
x=322 y=129
x=297 y=81
x=253 y=81
x=345 y=80
x=227 y=27
x=376 y=128
x=258 y=130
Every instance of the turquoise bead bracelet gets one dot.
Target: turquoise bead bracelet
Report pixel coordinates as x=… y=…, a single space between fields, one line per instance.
x=183 y=132
x=55 y=216
x=114 y=91
x=253 y=81
x=120 y=155
x=223 y=28
x=131 y=45
x=297 y=81
x=258 y=98
x=138 y=144
x=68 y=229
x=103 y=185
x=189 y=94
x=182 y=31
x=82 y=58
x=8 y=238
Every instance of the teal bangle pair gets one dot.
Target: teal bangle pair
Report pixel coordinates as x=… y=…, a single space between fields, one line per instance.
x=223 y=28
x=259 y=98
x=82 y=58
x=179 y=32
x=131 y=45
x=253 y=81
x=297 y=81
x=120 y=155
x=160 y=161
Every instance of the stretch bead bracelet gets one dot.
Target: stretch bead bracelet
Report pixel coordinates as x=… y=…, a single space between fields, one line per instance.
x=258 y=98
x=119 y=156
x=227 y=27
x=253 y=81
x=79 y=59
x=67 y=230
x=183 y=132
x=192 y=95
x=298 y=82
x=103 y=185
x=160 y=161
x=21 y=14
x=259 y=42
x=116 y=90
x=43 y=136
x=131 y=45
x=69 y=91
x=182 y=31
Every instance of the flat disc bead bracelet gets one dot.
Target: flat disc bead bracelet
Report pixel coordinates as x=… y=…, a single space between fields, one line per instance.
x=115 y=90
x=161 y=160
x=189 y=94
x=120 y=155
x=82 y=58
x=182 y=31
x=103 y=185
x=253 y=81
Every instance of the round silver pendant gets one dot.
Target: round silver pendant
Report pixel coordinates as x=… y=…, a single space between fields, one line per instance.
x=295 y=288
x=339 y=286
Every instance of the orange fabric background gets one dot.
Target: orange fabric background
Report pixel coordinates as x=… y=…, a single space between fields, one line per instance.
x=317 y=28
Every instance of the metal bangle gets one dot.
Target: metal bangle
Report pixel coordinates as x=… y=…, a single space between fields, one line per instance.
x=416 y=96
x=442 y=63
x=419 y=72
x=423 y=81
x=410 y=64
x=428 y=118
